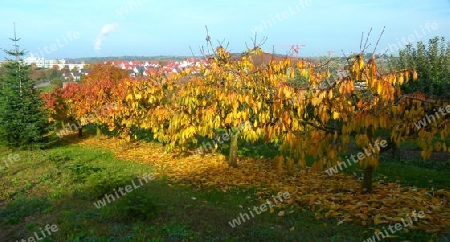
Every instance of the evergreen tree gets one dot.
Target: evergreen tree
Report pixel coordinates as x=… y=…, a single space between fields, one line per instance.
x=23 y=119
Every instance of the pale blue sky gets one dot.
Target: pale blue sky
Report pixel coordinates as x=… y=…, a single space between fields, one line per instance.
x=169 y=27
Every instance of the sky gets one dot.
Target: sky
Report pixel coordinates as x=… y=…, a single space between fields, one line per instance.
x=70 y=29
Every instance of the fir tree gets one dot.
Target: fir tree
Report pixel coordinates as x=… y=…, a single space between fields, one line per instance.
x=23 y=119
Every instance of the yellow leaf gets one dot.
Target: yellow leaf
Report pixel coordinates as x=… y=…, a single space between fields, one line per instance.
x=415 y=75
x=335 y=115
x=397 y=219
x=272 y=210
x=281 y=213
x=361 y=62
x=292 y=74
x=129 y=97
x=376 y=220
x=401 y=79
x=379 y=88
x=315 y=101
x=391 y=236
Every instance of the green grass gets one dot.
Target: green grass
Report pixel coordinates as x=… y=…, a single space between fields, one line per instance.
x=431 y=174
x=48 y=88
x=59 y=186
x=407 y=168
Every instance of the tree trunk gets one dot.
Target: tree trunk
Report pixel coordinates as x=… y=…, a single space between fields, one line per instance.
x=367 y=182
x=368 y=171
x=98 y=131
x=233 y=151
x=395 y=150
x=80 y=132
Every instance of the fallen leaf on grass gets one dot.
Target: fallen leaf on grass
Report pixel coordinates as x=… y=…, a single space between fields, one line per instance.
x=307 y=189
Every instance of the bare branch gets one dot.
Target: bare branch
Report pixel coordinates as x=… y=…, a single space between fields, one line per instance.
x=367 y=39
x=360 y=42
x=376 y=45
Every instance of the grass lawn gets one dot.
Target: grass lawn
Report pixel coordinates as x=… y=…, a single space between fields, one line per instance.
x=59 y=186
x=48 y=88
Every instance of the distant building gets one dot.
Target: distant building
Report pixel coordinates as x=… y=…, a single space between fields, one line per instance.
x=76 y=76
x=147 y=68
x=131 y=73
x=84 y=71
x=42 y=63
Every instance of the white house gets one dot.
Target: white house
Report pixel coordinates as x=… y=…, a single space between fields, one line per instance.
x=42 y=63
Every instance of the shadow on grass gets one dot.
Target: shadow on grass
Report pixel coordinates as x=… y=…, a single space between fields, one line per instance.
x=68 y=180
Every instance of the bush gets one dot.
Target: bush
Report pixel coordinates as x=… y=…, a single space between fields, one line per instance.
x=18 y=209
x=136 y=205
x=57 y=81
x=432 y=63
x=80 y=171
x=104 y=182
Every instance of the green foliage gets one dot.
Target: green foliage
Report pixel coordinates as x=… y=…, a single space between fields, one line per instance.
x=81 y=171
x=23 y=120
x=432 y=63
x=299 y=81
x=104 y=182
x=19 y=209
x=177 y=231
x=57 y=81
x=59 y=158
x=136 y=205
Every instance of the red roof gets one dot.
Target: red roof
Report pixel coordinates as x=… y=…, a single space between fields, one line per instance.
x=151 y=70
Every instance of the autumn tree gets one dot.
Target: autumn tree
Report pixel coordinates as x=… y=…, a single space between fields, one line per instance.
x=63 y=105
x=146 y=105
x=322 y=123
x=363 y=108
x=96 y=97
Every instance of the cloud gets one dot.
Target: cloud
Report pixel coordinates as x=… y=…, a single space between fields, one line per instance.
x=106 y=29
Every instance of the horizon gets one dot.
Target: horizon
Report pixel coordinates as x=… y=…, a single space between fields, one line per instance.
x=127 y=28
